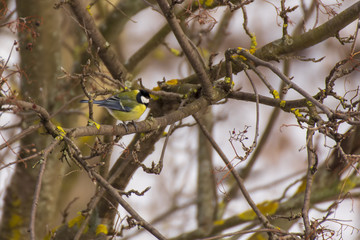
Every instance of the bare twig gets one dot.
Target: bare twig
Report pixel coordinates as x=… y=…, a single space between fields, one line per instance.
x=22 y=134
x=90 y=97
x=268 y=101
x=173 y=209
x=43 y=161
x=237 y=177
x=132 y=191
x=189 y=49
x=111 y=190
x=245 y=23
x=257 y=111
x=114 y=193
x=65 y=213
x=243 y=232
x=171 y=129
x=284 y=78
x=262 y=78
x=91 y=206
x=21 y=160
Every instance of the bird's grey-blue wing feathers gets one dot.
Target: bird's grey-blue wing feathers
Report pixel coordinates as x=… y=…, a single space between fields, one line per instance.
x=113 y=103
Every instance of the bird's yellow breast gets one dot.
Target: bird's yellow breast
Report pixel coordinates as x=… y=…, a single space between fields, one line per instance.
x=134 y=114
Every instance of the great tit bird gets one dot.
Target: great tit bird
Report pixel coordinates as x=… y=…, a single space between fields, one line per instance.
x=125 y=106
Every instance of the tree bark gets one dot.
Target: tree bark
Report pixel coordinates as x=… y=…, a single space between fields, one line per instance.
x=40 y=62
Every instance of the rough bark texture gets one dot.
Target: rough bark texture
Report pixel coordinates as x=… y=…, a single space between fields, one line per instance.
x=40 y=62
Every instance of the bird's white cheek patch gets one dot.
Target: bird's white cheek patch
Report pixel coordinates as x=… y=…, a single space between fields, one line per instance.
x=144 y=100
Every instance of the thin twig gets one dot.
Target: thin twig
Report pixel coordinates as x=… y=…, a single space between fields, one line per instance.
x=89 y=96
x=45 y=152
x=245 y=23
x=164 y=147
x=262 y=78
x=237 y=177
x=284 y=78
x=245 y=96
x=112 y=191
x=167 y=140
x=173 y=209
x=76 y=98
x=21 y=160
x=257 y=111
x=91 y=206
x=243 y=232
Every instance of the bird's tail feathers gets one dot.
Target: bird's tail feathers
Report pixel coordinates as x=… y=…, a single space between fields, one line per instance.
x=94 y=101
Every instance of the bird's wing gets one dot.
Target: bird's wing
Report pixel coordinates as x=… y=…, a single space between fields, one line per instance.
x=115 y=103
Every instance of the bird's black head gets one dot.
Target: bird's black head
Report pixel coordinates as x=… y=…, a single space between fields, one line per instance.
x=143 y=97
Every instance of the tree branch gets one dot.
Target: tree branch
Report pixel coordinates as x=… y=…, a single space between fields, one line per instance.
x=101 y=46
x=113 y=191
x=236 y=176
x=312 y=166
x=42 y=162
x=292 y=84
x=276 y=49
x=189 y=49
x=273 y=50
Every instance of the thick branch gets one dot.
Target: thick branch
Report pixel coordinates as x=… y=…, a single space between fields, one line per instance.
x=276 y=49
x=190 y=50
x=144 y=126
x=273 y=50
x=101 y=46
x=250 y=97
x=309 y=181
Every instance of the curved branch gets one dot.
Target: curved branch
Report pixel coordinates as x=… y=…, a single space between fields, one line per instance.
x=144 y=126
x=26 y=106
